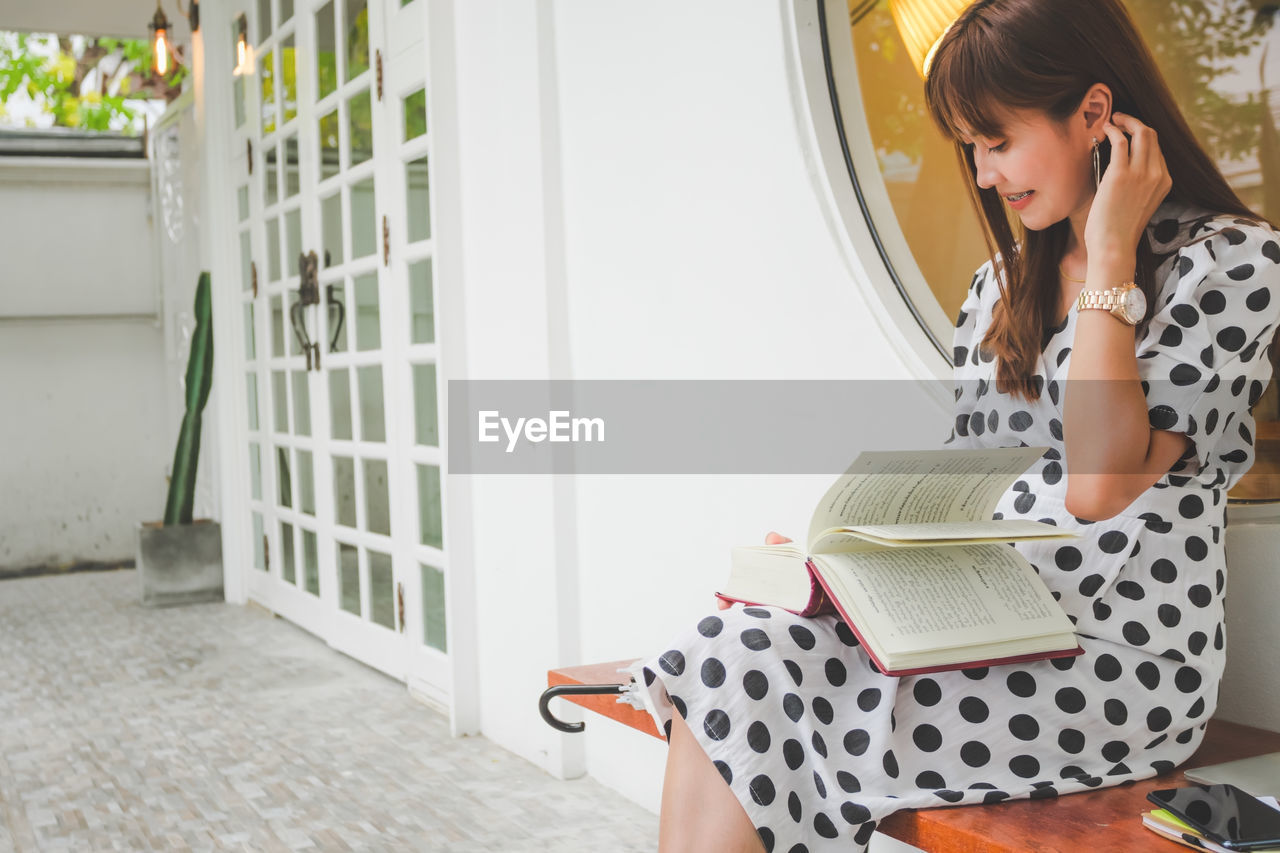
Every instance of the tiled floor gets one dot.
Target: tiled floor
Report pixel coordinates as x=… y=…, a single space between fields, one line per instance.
x=218 y=727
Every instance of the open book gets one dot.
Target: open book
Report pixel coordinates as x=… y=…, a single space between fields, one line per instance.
x=904 y=549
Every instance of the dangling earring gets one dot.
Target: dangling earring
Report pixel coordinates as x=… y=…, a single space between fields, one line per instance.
x=1097 y=164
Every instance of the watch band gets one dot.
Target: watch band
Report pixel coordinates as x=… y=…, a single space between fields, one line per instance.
x=1104 y=299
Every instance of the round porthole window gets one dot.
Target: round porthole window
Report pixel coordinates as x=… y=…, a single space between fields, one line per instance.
x=1222 y=62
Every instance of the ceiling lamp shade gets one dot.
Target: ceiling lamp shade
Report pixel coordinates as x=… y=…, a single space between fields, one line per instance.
x=922 y=24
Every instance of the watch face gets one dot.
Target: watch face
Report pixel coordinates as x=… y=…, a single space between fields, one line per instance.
x=1134 y=305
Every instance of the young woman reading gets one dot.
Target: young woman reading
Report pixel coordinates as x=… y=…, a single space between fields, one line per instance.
x=1141 y=277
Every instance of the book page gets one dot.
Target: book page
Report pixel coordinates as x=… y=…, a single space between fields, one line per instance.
x=768 y=575
x=954 y=533
x=917 y=599
x=921 y=486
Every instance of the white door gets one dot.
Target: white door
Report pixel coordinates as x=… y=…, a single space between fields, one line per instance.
x=342 y=434
x=422 y=561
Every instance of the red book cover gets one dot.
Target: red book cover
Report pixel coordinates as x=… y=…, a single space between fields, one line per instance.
x=822 y=601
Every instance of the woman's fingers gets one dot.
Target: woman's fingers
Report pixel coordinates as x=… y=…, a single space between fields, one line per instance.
x=1119 y=147
x=1146 y=160
x=1146 y=151
x=1125 y=125
x=1142 y=140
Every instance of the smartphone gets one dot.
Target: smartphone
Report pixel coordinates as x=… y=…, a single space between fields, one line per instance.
x=1225 y=814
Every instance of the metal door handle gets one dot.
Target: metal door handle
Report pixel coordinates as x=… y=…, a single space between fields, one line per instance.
x=308 y=294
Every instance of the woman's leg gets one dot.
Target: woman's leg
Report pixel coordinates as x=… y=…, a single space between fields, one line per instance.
x=699 y=812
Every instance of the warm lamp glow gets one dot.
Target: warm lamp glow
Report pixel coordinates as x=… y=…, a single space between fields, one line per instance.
x=244 y=62
x=922 y=24
x=160 y=46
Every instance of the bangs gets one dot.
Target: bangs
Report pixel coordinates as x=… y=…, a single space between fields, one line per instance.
x=967 y=104
x=972 y=117
x=964 y=93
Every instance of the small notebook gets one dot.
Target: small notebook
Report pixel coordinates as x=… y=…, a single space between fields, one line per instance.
x=1259 y=775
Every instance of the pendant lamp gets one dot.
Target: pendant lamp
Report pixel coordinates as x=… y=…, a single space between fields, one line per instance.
x=922 y=24
x=164 y=52
x=161 y=46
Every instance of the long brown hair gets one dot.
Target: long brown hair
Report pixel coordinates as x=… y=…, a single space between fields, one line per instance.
x=1045 y=55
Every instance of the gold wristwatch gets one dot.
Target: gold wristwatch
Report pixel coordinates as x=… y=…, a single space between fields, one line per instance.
x=1125 y=301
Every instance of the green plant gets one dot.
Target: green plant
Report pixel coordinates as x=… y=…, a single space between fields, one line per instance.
x=186 y=457
x=50 y=72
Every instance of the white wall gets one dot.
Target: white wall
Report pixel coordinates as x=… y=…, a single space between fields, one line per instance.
x=636 y=203
x=510 y=229
x=83 y=400
x=698 y=247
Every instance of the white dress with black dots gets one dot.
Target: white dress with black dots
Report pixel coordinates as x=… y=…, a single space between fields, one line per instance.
x=818 y=745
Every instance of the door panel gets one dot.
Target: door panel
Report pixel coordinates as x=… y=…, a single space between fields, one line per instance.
x=346 y=497
x=423 y=559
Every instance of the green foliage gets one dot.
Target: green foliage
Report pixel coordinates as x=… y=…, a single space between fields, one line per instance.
x=137 y=51
x=415 y=114
x=52 y=78
x=1194 y=43
x=327 y=71
x=358 y=42
x=267 y=79
x=288 y=72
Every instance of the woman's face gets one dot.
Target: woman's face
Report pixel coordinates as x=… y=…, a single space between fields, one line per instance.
x=1035 y=154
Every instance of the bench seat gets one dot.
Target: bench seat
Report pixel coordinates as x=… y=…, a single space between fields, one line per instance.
x=1108 y=820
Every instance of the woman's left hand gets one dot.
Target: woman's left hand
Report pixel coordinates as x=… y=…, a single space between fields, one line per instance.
x=1135 y=183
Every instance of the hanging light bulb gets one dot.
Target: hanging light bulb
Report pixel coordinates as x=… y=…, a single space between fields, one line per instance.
x=161 y=48
x=242 y=47
x=922 y=24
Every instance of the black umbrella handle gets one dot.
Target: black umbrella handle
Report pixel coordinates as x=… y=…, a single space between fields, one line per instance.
x=544 y=703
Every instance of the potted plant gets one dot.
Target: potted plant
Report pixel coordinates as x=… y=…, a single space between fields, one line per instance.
x=179 y=560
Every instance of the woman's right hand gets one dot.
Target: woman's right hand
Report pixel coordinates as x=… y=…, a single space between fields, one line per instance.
x=771 y=538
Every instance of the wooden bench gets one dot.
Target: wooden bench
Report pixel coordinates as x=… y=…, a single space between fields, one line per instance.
x=1107 y=820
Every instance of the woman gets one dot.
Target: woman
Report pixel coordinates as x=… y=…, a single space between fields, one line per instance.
x=803 y=746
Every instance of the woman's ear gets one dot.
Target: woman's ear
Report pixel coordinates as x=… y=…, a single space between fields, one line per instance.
x=1096 y=108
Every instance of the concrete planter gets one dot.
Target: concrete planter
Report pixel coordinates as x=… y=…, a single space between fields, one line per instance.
x=180 y=564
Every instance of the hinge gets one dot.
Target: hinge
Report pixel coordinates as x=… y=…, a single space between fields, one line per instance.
x=266 y=553
x=378 y=71
x=248 y=149
x=386 y=243
x=400 y=604
x=253 y=277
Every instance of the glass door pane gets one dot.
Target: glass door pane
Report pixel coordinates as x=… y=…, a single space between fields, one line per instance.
x=254 y=315
x=343 y=113
x=280 y=388
x=416 y=381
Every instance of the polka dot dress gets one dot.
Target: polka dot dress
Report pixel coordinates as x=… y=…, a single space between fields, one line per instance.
x=818 y=745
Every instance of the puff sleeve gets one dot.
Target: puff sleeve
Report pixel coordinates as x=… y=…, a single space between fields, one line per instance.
x=964 y=342
x=1204 y=358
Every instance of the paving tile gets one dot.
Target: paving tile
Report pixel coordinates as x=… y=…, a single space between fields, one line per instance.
x=219 y=727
